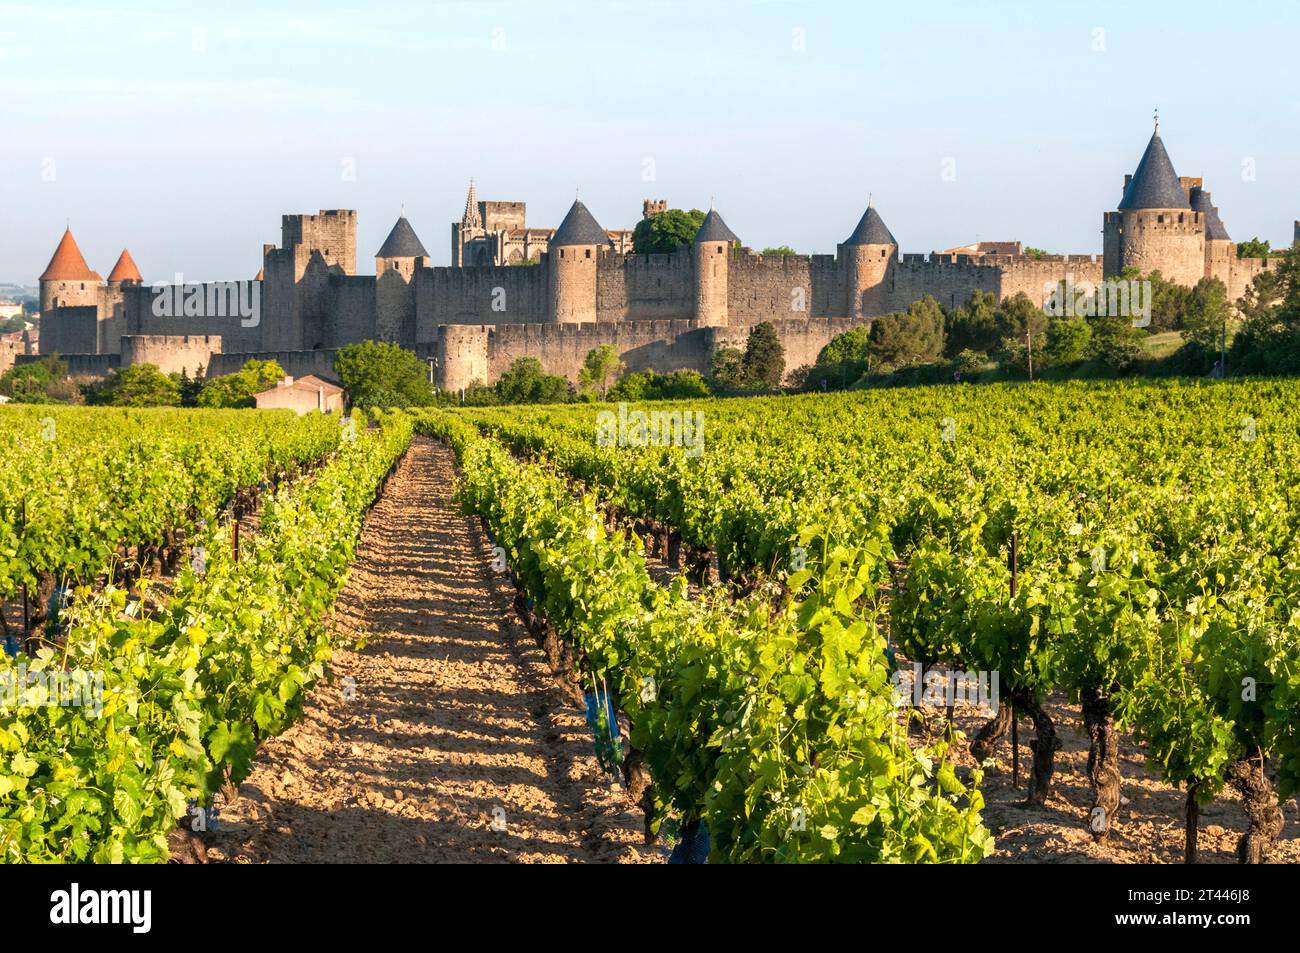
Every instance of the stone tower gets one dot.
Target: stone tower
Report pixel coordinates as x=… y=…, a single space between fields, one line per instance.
x=571 y=260
x=712 y=259
x=396 y=263
x=1155 y=227
x=865 y=259
x=1220 y=250
x=67 y=280
x=124 y=272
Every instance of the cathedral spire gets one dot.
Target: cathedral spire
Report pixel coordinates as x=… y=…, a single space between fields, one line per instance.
x=471 y=219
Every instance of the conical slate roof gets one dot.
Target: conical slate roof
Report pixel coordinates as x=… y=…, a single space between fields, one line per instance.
x=68 y=263
x=579 y=228
x=1155 y=183
x=714 y=229
x=402 y=242
x=125 y=269
x=1214 y=227
x=871 y=230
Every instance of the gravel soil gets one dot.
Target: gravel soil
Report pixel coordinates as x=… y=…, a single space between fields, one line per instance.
x=443 y=737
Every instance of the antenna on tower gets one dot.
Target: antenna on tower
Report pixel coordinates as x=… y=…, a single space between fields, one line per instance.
x=710 y=203
x=1157 y=118
x=869 y=200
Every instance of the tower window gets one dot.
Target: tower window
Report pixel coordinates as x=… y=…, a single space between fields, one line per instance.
x=1160 y=219
x=588 y=252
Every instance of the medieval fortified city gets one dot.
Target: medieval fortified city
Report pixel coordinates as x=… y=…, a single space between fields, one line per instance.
x=656 y=432
x=662 y=312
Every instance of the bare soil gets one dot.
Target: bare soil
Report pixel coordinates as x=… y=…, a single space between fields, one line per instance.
x=443 y=738
x=1149 y=828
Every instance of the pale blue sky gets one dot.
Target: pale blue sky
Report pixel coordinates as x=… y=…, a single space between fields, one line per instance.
x=184 y=131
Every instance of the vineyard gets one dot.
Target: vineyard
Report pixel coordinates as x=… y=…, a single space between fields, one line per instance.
x=120 y=534
x=1130 y=546
x=802 y=629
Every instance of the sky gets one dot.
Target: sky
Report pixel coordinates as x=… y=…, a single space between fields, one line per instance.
x=184 y=131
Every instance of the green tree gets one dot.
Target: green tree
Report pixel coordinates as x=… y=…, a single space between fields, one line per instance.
x=1018 y=316
x=1067 y=341
x=647 y=385
x=1116 y=343
x=781 y=251
x=527 y=383
x=189 y=387
x=381 y=374
x=842 y=361
x=1253 y=249
x=237 y=389
x=968 y=363
x=764 y=360
x=975 y=325
x=729 y=369
x=1169 y=301
x=600 y=368
x=911 y=337
x=666 y=231
x=140 y=385
x=40 y=382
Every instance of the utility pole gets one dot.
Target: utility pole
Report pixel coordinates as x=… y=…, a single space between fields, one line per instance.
x=1029 y=345
x=1223 y=349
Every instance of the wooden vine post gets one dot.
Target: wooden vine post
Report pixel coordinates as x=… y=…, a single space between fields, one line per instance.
x=1015 y=722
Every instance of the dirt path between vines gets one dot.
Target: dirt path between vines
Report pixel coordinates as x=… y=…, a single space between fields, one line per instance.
x=443 y=738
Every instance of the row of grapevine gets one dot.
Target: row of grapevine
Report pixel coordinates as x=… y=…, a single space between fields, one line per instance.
x=775 y=725
x=1131 y=544
x=175 y=701
x=80 y=486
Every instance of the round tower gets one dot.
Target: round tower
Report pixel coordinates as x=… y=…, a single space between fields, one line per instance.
x=1220 y=249
x=866 y=257
x=712 y=260
x=395 y=266
x=124 y=272
x=572 y=256
x=1155 y=227
x=67 y=280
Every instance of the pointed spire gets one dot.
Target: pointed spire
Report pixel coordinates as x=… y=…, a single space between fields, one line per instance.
x=714 y=229
x=68 y=264
x=1155 y=183
x=125 y=269
x=471 y=218
x=402 y=242
x=579 y=228
x=1214 y=227
x=871 y=229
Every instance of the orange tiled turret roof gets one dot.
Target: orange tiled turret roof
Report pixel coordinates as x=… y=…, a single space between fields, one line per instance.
x=68 y=263
x=125 y=269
